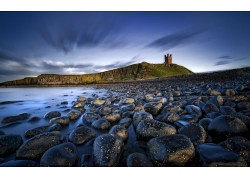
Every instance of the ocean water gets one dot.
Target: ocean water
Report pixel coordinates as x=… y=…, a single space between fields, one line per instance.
x=37 y=102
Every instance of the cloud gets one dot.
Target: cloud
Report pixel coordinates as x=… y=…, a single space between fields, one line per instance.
x=172 y=40
x=226 y=59
x=69 y=36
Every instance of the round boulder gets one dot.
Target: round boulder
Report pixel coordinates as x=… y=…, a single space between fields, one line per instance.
x=101 y=124
x=81 y=134
x=74 y=115
x=62 y=155
x=107 y=150
x=52 y=114
x=138 y=160
x=175 y=149
x=63 y=121
x=153 y=108
x=119 y=132
x=9 y=144
x=90 y=117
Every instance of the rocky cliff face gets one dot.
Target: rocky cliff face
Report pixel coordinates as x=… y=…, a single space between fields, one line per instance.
x=133 y=72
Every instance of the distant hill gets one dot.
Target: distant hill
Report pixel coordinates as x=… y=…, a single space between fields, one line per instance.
x=139 y=71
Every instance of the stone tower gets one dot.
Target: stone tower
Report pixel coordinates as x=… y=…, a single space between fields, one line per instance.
x=168 y=59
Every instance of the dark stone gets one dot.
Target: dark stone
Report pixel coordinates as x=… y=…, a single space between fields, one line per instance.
x=81 y=135
x=63 y=121
x=113 y=118
x=128 y=107
x=169 y=117
x=2 y=133
x=125 y=122
x=74 y=115
x=139 y=116
x=62 y=155
x=19 y=163
x=209 y=107
x=227 y=110
x=150 y=128
x=90 y=117
x=52 y=114
x=205 y=123
x=138 y=160
x=215 y=155
x=35 y=147
x=19 y=117
x=194 y=132
x=119 y=132
x=101 y=124
x=244 y=105
x=107 y=150
x=175 y=149
x=9 y=144
x=104 y=111
x=153 y=108
x=87 y=160
x=35 y=131
x=33 y=119
x=181 y=123
x=192 y=109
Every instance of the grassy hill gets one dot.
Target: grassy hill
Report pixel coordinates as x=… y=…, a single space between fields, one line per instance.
x=133 y=72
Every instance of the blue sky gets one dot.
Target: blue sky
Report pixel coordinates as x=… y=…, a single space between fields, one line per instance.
x=32 y=43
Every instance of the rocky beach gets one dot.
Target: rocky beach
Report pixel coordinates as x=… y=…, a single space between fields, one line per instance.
x=187 y=120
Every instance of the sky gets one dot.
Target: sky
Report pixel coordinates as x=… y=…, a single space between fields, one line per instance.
x=34 y=43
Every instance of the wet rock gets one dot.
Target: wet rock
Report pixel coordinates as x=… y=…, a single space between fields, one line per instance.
x=54 y=127
x=125 y=122
x=215 y=155
x=35 y=131
x=128 y=101
x=119 y=132
x=169 y=117
x=64 y=102
x=101 y=124
x=213 y=115
x=239 y=145
x=153 y=108
x=176 y=93
x=181 y=123
x=205 y=123
x=34 y=119
x=149 y=97
x=81 y=135
x=99 y=102
x=2 y=133
x=63 y=121
x=9 y=144
x=175 y=149
x=192 y=109
x=209 y=108
x=74 y=115
x=227 y=110
x=114 y=117
x=213 y=93
x=87 y=160
x=81 y=99
x=52 y=114
x=150 y=128
x=19 y=117
x=107 y=150
x=62 y=155
x=78 y=105
x=128 y=107
x=243 y=105
x=227 y=125
x=194 y=132
x=138 y=160
x=230 y=92
x=35 y=147
x=139 y=116
x=90 y=117
x=19 y=163
x=104 y=111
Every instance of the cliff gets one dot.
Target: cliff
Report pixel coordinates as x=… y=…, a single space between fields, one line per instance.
x=133 y=72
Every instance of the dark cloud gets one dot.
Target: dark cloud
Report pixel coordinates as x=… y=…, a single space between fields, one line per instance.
x=227 y=60
x=172 y=40
x=69 y=36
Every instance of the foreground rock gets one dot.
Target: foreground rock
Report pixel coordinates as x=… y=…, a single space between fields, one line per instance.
x=194 y=132
x=138 y=160
x=107 y=150
x=150 y=128
x=101 y=124
x=19 y=163
x=173 y=149
x=63 y=121
x=119 y=132
x=9 y=144
x=35 y=147
x=19 y=117
x=62 y=155
x=215 y=155
x=81 y=135
x=74 y=115
x=52 y=114
x=90 y=117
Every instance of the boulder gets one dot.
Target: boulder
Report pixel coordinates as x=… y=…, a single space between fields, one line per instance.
x=195 y=110
x=139 y=116
x=87 y=160
x=81 y=135
x=138 y=160
x=74 y=115
x=153 y=108
x=101 y=124
x=204 y=122
x=62 y=155
x=19 y=163
x=35 y=147
x=52 y=114
x=107 y=150
x=9 y=144
x=99 y=102
x=194 y=132
x=90 y=117
x=175 y=149
x=119 y=132
x=63 y=121
x=128 y=107
x=19 y=117
x=125 y=122
x=150 y=128
x=112 y=118
x=209 y=108
x=215 y=155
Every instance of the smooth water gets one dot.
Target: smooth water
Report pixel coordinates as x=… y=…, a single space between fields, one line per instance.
x=37 y=102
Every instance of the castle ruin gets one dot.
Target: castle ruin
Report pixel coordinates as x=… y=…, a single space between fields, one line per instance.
x=168 y=60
